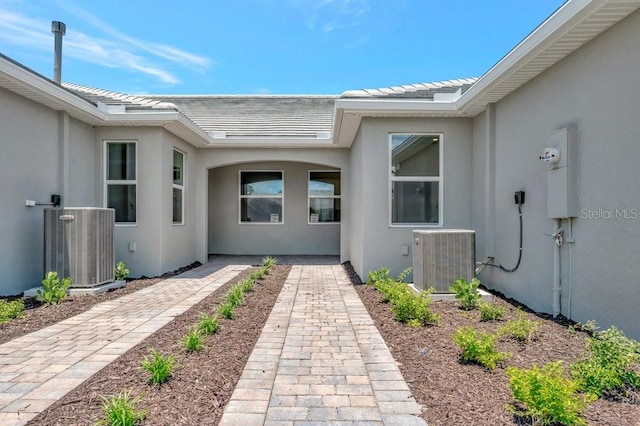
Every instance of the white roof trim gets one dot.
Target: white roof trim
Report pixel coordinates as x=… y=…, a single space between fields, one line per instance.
x=554 y=33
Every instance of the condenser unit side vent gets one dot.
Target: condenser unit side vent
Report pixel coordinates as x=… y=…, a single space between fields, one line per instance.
x=79 y=243
x=442 y=256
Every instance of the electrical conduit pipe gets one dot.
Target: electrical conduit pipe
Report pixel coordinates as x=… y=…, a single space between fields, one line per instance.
x=556 y=269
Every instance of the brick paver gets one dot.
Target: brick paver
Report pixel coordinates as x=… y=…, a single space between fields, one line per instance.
x=41 y=367
x=321 y=360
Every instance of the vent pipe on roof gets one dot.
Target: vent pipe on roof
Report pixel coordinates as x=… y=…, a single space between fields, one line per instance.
x=58 y=29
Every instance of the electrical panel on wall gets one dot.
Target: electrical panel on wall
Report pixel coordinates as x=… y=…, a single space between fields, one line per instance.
x=560 y=155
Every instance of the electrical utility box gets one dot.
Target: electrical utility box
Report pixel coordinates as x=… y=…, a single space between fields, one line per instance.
x=441 y=256
x=562 y=178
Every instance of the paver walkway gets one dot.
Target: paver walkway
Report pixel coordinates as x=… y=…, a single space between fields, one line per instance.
x=39 y=368
x=321 y=360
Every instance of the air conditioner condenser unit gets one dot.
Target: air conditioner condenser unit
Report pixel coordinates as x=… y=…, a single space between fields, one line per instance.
x=79 y=243
x=442 y=256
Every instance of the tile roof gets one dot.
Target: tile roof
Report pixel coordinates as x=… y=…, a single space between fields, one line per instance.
x=232 y=115
x=257 y=115
x=419 y=91
x=131 y=102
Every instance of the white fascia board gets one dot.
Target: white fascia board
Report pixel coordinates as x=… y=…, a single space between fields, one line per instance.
x=563 y=19
x=167 y=119
x=271 y=142
x=381 y=105
x=39 y=86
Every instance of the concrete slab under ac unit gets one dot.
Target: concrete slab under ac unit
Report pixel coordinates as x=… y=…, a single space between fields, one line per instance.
x=81 y=291
x=451 y=297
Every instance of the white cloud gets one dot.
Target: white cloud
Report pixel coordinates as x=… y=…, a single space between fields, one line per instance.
x=115 y=50
x=331 y=15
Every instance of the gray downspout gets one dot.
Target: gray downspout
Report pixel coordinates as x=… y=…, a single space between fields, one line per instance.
x=490 y=182
x=64 y=150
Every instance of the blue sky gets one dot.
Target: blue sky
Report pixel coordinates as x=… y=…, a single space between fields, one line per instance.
x=266 y=46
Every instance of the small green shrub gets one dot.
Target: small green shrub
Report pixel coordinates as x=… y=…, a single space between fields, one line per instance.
x=609 y=364
x=467 y=293
x=378 y=276
x=10 y=310
x=409 y=307
x=159 y=366
x=392 y=290
x=247 y=285
x=121 y=272
x=269 y=262
x=235 y=295
x=193 y=340
x=53 y=290
x=256 y=275
x=490 y=311
x=226 y=310
x=479 y=349
x=121 y=410
x=414 y=323
x=208 y=324
x=546 y=396
x=521 y=328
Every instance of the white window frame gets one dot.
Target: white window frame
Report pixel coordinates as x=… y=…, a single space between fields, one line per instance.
x=334 y=197
x=240 y=197
x=120 y=182
x=182 y=187
x=438 y=179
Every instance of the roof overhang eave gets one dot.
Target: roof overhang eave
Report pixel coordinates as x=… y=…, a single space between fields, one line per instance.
x=349 y=113
x=18 y=79
x=529 y=53
x=173 y=121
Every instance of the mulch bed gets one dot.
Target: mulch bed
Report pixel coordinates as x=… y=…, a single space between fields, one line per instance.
x=456 y=394
x=451 y=392
x=38 y=315
x=201 y=385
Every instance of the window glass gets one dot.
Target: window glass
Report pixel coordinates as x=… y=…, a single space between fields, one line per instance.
x=177 y=205
x=261 y=183
x=121 y=161
x=324 y=184
x=120 y=183
x=122 y=198
x=261 y=196
x=324 y=210
x=415 y=202
x=178 y=167
x=415 y=155
x=178 y=187
x=415 y=179
x=266 y=210
x=324 y=196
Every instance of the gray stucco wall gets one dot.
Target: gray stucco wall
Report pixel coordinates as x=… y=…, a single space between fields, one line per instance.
x=178 y=241
x=293 y=236
x=376 y=243
x=160 y=246
x=32 y=156
x=207 y=159
x=596 y=90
